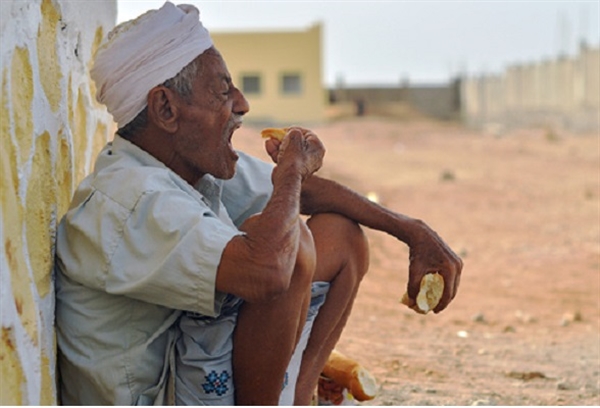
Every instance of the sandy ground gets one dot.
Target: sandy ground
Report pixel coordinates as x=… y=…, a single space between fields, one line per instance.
x=522 y=210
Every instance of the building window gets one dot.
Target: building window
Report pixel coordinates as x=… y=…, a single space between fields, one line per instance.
x=291 y=84
x=251 y=84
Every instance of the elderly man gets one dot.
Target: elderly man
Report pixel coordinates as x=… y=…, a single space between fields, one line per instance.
x=184 y=271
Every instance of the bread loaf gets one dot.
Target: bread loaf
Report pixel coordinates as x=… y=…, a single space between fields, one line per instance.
x=274 y=133
x=430 y=293
x=350 y=375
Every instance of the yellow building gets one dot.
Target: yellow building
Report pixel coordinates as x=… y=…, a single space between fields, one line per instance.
x=279 y=73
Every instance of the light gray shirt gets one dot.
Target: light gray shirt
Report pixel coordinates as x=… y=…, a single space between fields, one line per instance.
x=138 y=246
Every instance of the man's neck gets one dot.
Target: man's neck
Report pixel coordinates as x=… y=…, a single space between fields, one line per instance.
x=160 y=146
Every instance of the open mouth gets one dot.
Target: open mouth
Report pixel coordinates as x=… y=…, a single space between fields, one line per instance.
x=236 y=124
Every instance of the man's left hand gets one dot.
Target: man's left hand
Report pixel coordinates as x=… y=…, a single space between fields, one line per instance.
x=430 y=254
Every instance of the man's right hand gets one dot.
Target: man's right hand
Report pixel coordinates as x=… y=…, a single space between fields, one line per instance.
x=276 y=240
x=300 y=148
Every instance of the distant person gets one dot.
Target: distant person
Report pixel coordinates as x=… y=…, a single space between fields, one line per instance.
x=184 y=273
x=360 y=107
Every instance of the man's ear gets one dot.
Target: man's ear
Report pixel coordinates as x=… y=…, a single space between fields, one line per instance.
x=163 y=108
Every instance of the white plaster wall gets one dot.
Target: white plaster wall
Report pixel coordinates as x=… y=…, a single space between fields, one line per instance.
x=27 y=349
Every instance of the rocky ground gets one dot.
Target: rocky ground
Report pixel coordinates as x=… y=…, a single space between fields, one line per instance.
x=522 y=210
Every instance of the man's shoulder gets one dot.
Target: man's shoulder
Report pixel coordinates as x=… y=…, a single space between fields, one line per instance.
x=123 y=186
x=124 y=179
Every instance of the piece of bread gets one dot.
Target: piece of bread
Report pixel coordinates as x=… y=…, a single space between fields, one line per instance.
x=274 y=133
x=430 y=293
x=350 y=375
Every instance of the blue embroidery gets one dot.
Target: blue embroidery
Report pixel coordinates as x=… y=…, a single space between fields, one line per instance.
x=286 y=379
x=216 y=383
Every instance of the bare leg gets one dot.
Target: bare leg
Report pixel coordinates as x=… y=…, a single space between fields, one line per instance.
x=266 y=334
x=342 y=260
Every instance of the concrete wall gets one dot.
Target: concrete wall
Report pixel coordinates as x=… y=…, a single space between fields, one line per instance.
x=436 y=101
x=562 y=93
x=50 y=130
x=270 y=55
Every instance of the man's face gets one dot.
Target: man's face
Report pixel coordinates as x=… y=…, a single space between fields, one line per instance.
x=203 y=143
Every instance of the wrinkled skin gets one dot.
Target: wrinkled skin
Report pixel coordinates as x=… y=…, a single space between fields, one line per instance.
x=428 y=252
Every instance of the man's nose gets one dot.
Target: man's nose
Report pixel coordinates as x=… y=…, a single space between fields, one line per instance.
x=240 y=104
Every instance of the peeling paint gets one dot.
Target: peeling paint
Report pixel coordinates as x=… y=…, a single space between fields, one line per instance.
x=12 y=226
x=63 y=175
x=11 y=370
x=79 y=127
x=22 y=97
x=41 y=199
x=47 y=139
x=46 y=47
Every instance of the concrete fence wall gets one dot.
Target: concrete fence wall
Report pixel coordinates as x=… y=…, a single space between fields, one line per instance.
x=50 y=130
x=561 y=93
x=436 y=101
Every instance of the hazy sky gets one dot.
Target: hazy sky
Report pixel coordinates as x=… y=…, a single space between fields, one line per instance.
x=383 y=42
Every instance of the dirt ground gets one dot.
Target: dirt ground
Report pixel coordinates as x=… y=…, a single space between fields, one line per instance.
x=522 y=210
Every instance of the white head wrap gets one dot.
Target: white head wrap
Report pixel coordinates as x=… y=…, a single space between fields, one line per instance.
x=143 y=53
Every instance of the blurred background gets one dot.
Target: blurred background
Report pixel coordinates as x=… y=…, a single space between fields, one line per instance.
x=479 y=117
x=494 y=65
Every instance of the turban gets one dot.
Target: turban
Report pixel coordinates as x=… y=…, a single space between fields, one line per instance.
x=143 y=53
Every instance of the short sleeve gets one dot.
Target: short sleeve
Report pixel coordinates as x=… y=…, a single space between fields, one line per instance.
x=169 y=253
x=248 y=192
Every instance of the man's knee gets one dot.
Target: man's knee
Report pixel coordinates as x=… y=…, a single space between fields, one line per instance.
x=306 y=259
x=339 y=242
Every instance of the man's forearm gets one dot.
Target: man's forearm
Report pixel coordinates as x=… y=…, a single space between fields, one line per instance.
x=283 y=207
x=278 y=220
x=268 y=248
x=321 y=195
